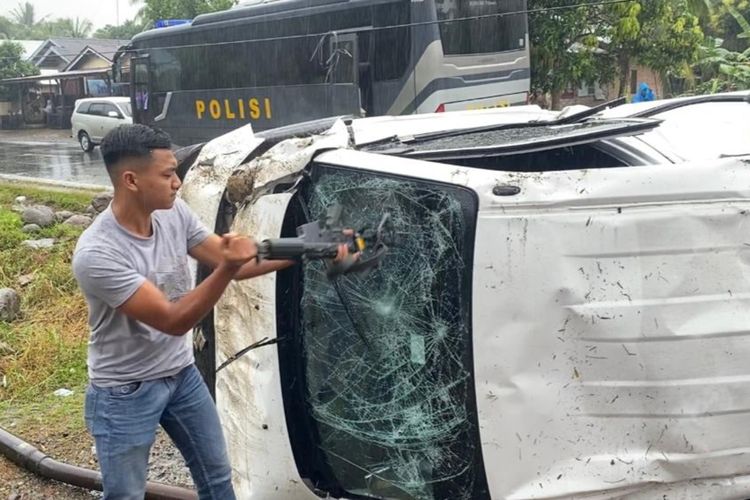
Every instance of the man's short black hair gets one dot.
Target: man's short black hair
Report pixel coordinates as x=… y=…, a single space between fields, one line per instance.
x=132 y=141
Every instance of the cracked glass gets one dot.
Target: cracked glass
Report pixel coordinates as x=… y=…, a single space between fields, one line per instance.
x=387 y=357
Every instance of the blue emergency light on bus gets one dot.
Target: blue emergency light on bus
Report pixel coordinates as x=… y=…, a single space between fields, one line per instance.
x=165 y=23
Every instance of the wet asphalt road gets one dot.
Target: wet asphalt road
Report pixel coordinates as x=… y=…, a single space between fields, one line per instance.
x=60 y=161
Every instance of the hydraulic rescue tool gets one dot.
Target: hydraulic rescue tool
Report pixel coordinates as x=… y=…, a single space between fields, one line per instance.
x=320 y=240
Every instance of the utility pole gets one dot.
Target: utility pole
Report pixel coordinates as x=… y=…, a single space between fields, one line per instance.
x=117 y=12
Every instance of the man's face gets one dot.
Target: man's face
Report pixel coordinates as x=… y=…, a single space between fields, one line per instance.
x=157 y=182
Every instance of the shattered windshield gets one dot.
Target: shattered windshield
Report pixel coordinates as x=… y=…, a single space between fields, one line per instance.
x=388 y=381
x=511 y=138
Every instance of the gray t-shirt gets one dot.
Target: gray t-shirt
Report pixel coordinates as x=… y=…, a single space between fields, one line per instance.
x=110 y=264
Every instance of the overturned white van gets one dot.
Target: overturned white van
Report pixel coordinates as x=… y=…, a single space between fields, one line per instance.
x=575 y=327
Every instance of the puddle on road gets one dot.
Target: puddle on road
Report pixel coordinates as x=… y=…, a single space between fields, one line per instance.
x=53 y=161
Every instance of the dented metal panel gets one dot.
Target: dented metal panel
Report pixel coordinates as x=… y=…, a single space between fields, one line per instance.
x=206 y=180
x=620 y=341
x=282 y=164
x=611 y=331
x=204 y=185
x=610 y=328
x=248 y=391
x=609 y=324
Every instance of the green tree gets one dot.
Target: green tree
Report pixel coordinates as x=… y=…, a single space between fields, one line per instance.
x=565 y=47
x=701 y=8
x=80 y=28
x=125 y=31
x=661 y=34
x=180 y=9
x=25 y=15
x=721 y=68
x=7 y=28
x=12 y=65
x=76 y=28
x=723 y=23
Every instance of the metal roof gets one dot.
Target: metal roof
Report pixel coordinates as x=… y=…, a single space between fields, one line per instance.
x=58 y=76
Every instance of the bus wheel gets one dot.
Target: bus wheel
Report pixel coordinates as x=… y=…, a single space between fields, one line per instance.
x=85 y=141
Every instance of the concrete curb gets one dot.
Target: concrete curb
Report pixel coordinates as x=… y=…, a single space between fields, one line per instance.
x=53 y=184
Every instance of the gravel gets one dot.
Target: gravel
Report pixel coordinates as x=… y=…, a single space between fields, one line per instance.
x=165 y=466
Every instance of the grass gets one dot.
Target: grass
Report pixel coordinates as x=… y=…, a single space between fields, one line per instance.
x=56 y=198
x=48 y=415
x=44 y=349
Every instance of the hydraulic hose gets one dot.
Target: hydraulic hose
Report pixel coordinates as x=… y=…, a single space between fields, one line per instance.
x=22 y=453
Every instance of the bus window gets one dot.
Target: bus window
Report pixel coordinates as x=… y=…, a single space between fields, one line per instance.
x=166 y=69
x=484 y=34
x=140 y=88
x=391 y=64
x=342 y=59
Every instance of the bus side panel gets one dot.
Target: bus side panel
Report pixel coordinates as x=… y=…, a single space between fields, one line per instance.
x=200 y=115
x=459 y=73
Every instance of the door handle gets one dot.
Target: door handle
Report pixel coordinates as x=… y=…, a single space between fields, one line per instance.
x=505 y=190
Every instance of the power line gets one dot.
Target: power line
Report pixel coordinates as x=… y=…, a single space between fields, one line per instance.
x=369 y=28
x=394 y=26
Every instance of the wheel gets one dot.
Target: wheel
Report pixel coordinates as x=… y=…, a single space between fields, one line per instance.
x=85 y=141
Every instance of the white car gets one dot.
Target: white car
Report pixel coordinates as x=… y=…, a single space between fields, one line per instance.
x=559 y=313
x=92 y=118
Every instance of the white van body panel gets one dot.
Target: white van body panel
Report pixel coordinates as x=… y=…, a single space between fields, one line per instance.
x=610 y=313
x=610 y=337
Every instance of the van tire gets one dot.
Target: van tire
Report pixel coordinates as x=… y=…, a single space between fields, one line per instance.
x=85 y=141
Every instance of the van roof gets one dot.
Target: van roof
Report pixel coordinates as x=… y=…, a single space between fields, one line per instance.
x=110 y=99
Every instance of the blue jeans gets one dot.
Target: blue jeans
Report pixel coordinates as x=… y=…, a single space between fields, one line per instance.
x=124 y=419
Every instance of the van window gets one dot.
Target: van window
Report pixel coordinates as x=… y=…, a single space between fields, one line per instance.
x=109 y=108
x=125 y=107
x=97 y=108
x=377 y=368
x=577 y=157
x=83 y=108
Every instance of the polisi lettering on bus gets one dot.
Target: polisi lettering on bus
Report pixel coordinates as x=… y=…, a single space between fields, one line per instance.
x=233 y=109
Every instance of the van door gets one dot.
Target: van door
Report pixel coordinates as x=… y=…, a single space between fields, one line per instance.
x=527 y=335
x=109 y=122
x=95 y=120
x=524 y=328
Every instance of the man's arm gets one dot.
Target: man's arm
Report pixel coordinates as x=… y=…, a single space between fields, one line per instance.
x=150 y=306
x=208 y=252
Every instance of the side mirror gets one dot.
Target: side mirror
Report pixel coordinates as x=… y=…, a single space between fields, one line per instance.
x=113 y=114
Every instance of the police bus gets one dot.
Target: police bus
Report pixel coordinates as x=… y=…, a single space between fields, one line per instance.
x=274 y=63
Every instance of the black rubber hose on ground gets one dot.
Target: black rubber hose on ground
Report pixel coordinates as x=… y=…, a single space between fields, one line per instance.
x=22 y=453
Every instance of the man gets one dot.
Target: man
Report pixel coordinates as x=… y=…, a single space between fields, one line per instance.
x=132 y=266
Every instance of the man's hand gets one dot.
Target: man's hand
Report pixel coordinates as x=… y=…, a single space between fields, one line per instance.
x=342 y=255
x=237 y=250
x=343 y=260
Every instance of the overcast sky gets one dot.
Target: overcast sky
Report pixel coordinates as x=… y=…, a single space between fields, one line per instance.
x=99 y=12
